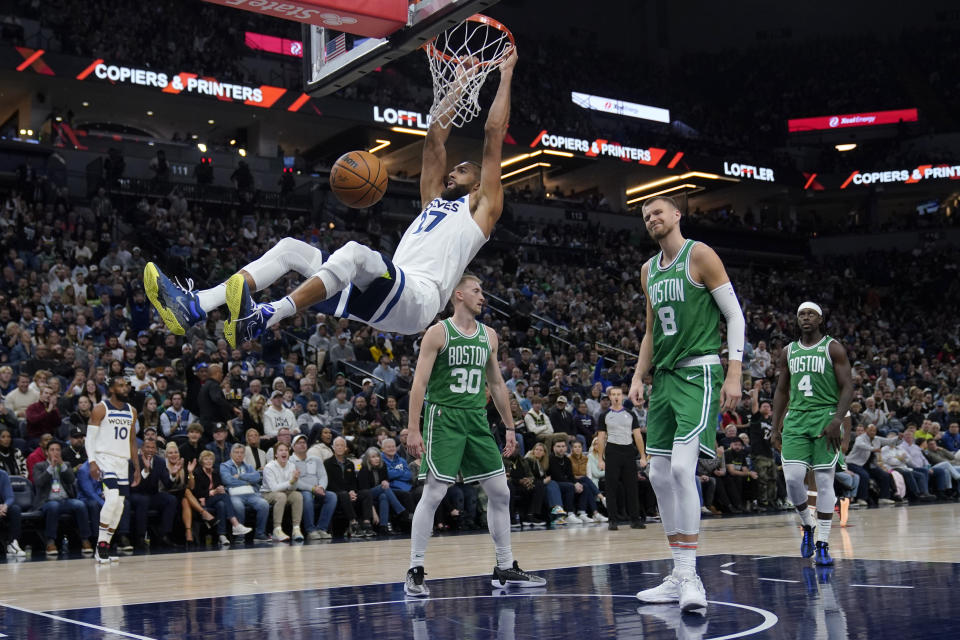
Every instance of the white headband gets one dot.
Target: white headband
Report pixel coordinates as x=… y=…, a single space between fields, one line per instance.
x=810 y=305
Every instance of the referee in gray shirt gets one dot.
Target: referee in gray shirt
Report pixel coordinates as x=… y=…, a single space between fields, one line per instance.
x=620 y=441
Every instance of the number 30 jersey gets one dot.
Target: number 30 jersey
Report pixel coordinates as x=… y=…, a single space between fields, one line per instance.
x=813 y=383
x=686 y=319
x=439 y=244
x=459 y=375
x=114 y=435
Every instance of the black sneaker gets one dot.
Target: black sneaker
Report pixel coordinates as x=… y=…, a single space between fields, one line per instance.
x=515 y=577
x=612 y=526
x=638 y=524
x=413 y=585
x=125 y=545
x=114 y=552
x=102 y=554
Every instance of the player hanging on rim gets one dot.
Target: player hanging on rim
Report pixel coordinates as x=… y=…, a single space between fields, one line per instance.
x=457 y=362
x=404 y=295
x=111 y=444
x=815 y=379
x=687 y=289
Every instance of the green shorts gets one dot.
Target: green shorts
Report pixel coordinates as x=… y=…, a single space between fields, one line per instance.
x=459 y=441
x=684 y=404
x=803 y=440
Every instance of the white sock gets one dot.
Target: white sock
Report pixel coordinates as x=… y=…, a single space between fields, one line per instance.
x=283 y=309
x=105 y=535
x=823 y=530
x=212 y=298
x=684 y=557
x=806 y=518
x=505 y=557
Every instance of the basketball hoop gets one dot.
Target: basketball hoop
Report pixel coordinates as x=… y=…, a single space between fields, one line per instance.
x=460 y=60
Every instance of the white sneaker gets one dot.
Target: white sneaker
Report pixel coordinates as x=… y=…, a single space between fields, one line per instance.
x=599 y=517
x=13 y=549
x=572 y=518
x=706 y=511
x=584 y=518
x=297 y=535
x=319 y=534
x=667 y=591
x=886 y=501
x=224 y=541
x=693 y=599
x=241 y=530
x=279 y=535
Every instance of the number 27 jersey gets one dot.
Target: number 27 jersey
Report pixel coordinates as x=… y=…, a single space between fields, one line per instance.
x=459 y=375
x=114 y=435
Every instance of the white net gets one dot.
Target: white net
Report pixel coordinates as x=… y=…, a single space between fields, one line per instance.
x=460 y=60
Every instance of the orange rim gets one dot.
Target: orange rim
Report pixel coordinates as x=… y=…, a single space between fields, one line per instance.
x=482 y=19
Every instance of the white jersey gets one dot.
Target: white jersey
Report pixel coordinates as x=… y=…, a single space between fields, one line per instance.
x=439 y=244
x=114 y=435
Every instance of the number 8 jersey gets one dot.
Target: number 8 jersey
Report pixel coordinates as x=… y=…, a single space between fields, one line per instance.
x=114 y=435
x=459 y=375
x=686 y=319
x=813 y=384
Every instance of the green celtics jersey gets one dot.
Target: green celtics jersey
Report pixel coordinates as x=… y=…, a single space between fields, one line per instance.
x=686 y=320
x=459 y=375
x=813 y=384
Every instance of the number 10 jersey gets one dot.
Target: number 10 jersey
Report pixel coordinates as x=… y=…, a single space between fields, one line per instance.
x=686 y=319
x=114 y=435
x=459 y=374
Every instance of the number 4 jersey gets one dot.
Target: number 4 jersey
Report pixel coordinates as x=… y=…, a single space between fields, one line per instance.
x=686 y=319
x=114 y=435
x=459 y=375
x=813 y=384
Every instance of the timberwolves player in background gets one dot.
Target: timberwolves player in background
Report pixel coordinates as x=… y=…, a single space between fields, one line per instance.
x=400 y=296
x=111 y=444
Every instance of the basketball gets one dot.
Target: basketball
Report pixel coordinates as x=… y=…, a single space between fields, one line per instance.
x=358 y=179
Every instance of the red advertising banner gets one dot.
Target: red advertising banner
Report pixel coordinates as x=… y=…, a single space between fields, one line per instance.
x=869 y=119
x=273 y=44
x=369 y=18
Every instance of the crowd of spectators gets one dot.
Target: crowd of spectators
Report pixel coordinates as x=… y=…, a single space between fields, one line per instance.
x=874 y=73
x=213 y=420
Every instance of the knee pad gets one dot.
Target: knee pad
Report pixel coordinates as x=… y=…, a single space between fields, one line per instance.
x=795 y=476
x=826 y=496
x=112 y=508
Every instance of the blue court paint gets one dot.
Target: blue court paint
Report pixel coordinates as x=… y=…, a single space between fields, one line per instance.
x=778 y=597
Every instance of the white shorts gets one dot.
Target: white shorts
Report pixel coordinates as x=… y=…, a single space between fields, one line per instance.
x=398 y=304
x=114 y=472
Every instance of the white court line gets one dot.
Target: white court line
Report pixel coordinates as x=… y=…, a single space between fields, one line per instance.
x=727 y=564
x=882 y=586
x=765 y=557
x=651 y=573
x=778 y=580
x=82 y=624
x=770 y=619
x=728 y=572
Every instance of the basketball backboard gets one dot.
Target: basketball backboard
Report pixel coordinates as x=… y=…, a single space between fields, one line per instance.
x=333 y=59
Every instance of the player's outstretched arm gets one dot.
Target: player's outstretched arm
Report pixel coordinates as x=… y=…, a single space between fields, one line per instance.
x=434 y=162
x=645 y=357
x=430 y=346
x=499 y=393
x=707 y=266
x=781 y=396
x=490 y=198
